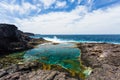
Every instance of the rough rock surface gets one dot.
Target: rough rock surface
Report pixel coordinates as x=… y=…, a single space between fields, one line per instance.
x=103 y=58
x=28 y=72
x=12 y=39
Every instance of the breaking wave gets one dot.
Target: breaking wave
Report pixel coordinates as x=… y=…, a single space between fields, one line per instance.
x=58 y=40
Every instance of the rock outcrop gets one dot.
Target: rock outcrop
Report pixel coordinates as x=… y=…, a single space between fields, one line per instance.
x=12 y=39
x=29 y=34
x=103 y=58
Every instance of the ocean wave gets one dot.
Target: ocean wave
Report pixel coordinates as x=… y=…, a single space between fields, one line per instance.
x=61 y=40
x=56 y=39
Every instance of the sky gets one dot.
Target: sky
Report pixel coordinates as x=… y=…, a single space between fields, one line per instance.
x=62 y=16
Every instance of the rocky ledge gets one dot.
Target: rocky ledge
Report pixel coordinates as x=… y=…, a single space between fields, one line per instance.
x=12 y=39
x=28 y=71
x=103 y=58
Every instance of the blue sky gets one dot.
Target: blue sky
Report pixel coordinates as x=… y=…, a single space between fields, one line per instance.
x=62 y=16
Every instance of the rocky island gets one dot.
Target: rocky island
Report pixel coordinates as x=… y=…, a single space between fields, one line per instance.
x=103 y=58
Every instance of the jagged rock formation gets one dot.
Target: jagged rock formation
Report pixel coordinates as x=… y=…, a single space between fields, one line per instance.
x=12 y=39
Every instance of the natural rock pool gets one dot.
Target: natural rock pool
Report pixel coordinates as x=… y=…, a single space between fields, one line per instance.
x=66 y=55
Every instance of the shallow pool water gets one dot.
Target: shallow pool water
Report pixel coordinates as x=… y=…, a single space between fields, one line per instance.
x=65 y=55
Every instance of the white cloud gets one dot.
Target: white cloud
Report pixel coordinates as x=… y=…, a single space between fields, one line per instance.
x=78 y=21
x=60 y=4
x=79 y=1
x=97 y=22
x=47 y=3
x=56 y=22
x=100 y=22
x=14 y=9
x=89 y=1
x=72 y=1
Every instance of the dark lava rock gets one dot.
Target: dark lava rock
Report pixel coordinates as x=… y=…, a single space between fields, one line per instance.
x=29 y=34
x=103 y=58
x=12 y=39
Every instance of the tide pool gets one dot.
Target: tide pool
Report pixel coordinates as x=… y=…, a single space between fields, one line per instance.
x=66 y=55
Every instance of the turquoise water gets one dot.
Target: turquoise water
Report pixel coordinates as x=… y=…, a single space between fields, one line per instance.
x=82 y=38
x=63 y=54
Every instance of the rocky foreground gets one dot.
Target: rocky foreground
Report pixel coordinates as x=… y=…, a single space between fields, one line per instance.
x=30 y=71
x=103 y=58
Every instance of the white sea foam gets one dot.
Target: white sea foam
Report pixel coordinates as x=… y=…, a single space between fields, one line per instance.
x=55 y=39
x=58 y=40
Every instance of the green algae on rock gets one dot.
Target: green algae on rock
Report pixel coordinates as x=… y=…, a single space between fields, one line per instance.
x=65 y=55
x=10 y=59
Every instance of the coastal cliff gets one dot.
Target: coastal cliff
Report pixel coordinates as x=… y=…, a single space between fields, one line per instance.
x=12 y=39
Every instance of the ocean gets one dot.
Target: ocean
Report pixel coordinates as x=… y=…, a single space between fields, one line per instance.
x=66 y=54
x=82 y=38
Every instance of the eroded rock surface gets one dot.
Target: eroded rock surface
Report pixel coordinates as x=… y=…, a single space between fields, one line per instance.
x=28 y=72
x=103 y=58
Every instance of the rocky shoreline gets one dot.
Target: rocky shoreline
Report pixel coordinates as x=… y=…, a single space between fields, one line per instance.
x=103 y=58
x=14 y=40
x=13 y=43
